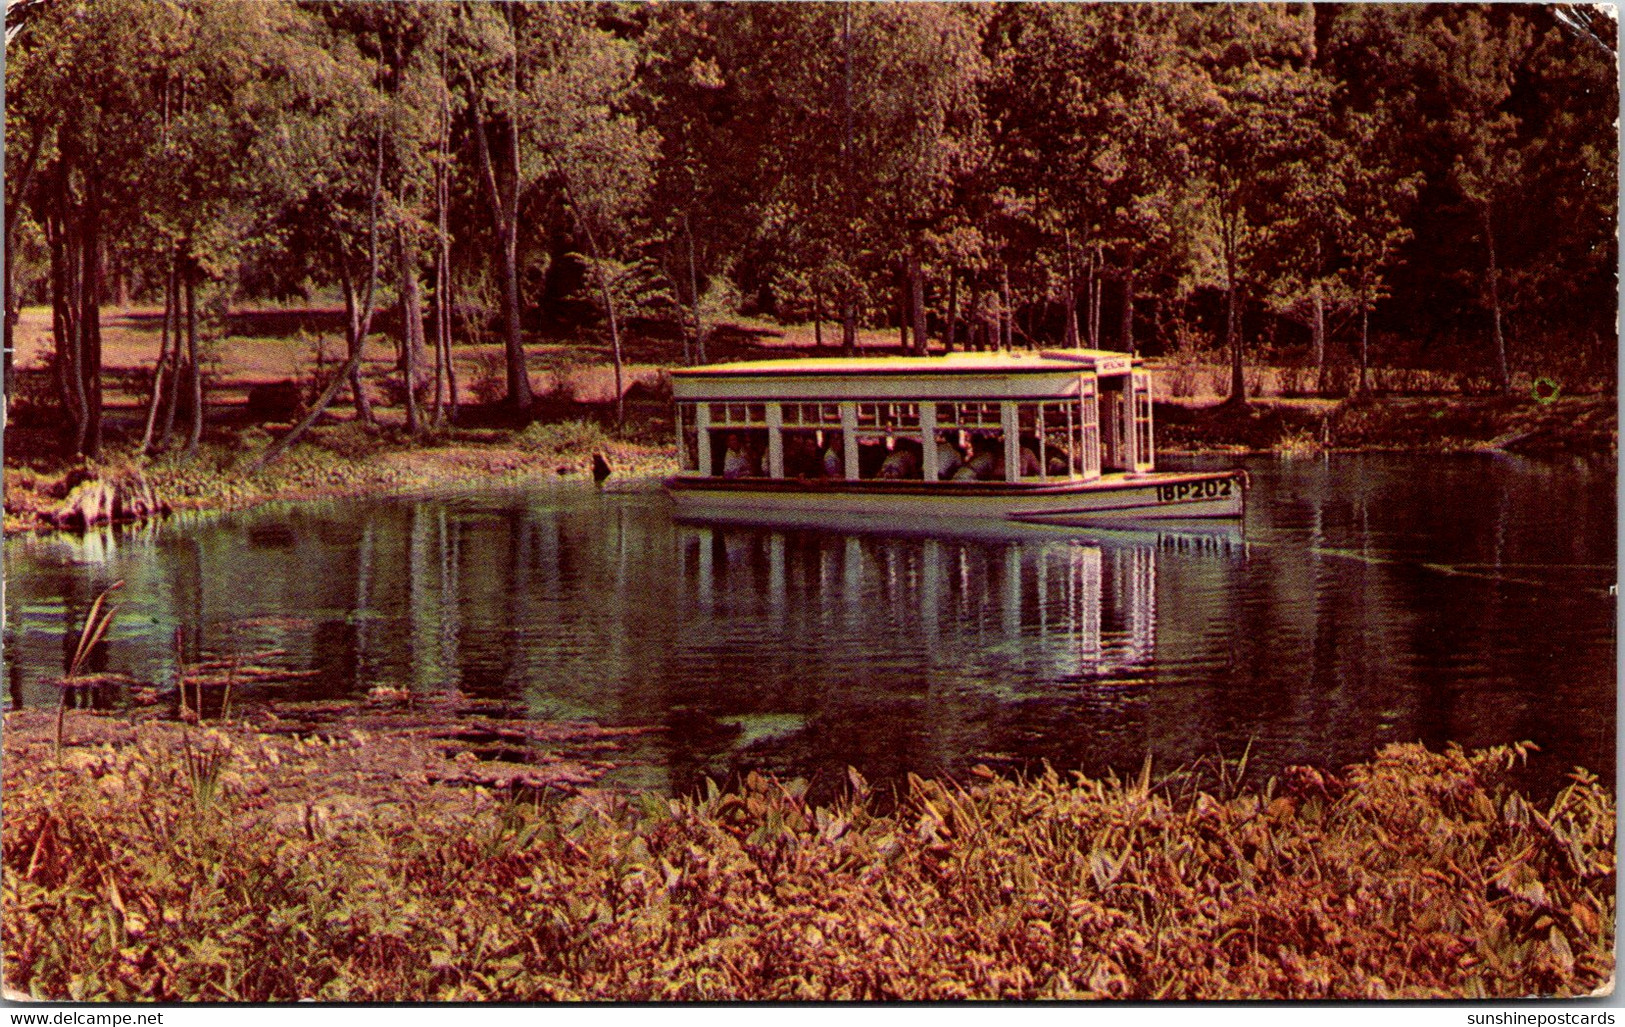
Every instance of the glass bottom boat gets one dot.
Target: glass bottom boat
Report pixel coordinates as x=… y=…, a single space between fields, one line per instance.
x=1061 y=437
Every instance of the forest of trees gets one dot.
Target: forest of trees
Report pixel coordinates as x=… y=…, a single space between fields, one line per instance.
x=1357 y=182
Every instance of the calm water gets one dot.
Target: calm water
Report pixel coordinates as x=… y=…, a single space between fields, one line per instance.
x=1367 y=599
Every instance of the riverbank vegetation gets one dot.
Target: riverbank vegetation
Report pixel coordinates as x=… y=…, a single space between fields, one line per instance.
x=339 y=460
x=346 y=459
x=424 y=211
x=150 y=859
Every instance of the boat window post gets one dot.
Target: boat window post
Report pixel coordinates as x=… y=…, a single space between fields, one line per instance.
x=680 y=440
x=775 y=440
x=1074 y=452
x=849 y=439
x=1089 y=440
x=1012 y=441
x=928 y=440
x=1043 y=456
x=702 y=427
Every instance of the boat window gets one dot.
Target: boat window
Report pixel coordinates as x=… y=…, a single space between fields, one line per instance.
x=753 y=415
x=1089 y=429
x=1114 y=436
x=813 y=454
x=1142 y=421
x=812 y=415
x=1030 y=431
x=888 y=418
x=982 y=457
x=890 y=458
x=1062 y=453
x=969 y=415
x=739 y=452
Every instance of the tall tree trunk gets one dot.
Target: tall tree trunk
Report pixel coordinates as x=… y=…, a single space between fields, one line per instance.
x=437 y=409
x=1232 y=318
x=615 y=344
x=1070 y=336
x=505 y=221
x=64 y=315
x=173 y=302
x=917 y=296
x=1127 y=335
x=1318 y=332
x=16 y=191
x=91 y=319
x=1232 y=333
x=1495 y=300
x=1095 y=301
x=1089 y=294
x=694 y=295
x=164 y=359
x=355 y=343
x=1365 y=321
x=902 y=307
x=194 y=371
x=849 y=305
x=411 y=329
x=445 y=337
x=973 y=312
x=950 y=329
x=444 y=381
x=818 y=320
x=1007 y=323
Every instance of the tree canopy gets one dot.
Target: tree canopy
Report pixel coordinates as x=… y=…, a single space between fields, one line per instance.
x=1263 y=179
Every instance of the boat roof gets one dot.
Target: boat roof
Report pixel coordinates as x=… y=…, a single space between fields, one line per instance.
x=1041 y=362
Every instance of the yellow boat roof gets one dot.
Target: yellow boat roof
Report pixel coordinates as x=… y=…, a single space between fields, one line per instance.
x=1043 y=361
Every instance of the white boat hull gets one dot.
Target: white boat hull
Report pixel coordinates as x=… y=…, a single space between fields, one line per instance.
x=1111 y=499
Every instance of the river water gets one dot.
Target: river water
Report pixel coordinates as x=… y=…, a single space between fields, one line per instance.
x=1366 y=599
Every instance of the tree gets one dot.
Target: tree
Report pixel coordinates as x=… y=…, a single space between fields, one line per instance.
x=69 y=79
x=1260 y=112
x=595 y=156
x=1087 y=100
x=1475 y=62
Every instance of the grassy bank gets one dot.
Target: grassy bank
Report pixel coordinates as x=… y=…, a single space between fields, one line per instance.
x=160 y=861
x=1585 y=426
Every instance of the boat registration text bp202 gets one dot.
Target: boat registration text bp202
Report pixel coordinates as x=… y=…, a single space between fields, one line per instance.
x=1180 y=491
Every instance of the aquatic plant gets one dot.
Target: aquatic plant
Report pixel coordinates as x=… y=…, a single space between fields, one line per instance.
x=91 y=633
x=1417 y=874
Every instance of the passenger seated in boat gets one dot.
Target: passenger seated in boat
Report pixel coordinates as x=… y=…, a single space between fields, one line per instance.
x=801 y=458
x=904 y=462
x=834 y=457
x=737 y=462
x=1029 y=463
x=949 y=458
x=986 y=462
x=871 y=456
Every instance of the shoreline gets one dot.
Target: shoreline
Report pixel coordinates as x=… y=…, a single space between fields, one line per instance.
x=343 y=460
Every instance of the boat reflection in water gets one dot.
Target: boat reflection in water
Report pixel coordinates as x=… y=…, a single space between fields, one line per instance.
x=1068 y=611
x=928 y=653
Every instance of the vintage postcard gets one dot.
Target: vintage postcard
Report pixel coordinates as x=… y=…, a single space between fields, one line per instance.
x=677 y=502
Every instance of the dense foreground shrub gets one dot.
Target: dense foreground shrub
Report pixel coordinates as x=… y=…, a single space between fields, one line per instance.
x=148 y=871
